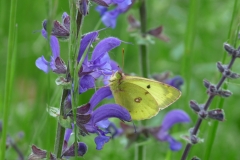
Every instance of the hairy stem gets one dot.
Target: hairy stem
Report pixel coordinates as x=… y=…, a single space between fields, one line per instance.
x=60 y=129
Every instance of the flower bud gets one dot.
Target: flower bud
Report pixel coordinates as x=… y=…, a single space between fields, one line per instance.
x=217 y=114
x=195 y=106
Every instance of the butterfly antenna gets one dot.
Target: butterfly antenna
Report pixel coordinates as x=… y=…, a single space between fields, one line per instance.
x=123 y=58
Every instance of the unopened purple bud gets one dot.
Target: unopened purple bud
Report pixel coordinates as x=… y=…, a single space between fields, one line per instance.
x=83 y=7
x=217 y=114
x=206 y=83
x=229 y=48
x=133 y=23
x=234 y=75
x=195 y=106
x=220 y=67
x=224 y=93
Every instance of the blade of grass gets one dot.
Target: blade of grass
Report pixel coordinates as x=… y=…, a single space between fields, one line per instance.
x=9 y=74
x=188 y=45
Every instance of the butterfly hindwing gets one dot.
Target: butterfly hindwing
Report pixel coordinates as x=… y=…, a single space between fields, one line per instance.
x=136 y=100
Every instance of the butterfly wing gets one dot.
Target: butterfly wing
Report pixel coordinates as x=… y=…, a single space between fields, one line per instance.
x=163 y=93
x=134 y=98
x=142 y=97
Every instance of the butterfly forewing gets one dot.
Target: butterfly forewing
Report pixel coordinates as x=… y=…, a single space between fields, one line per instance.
x=163 y=93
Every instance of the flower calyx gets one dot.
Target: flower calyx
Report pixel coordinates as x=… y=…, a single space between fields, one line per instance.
x=212 y=90
x=216 y=114
x=227 y=72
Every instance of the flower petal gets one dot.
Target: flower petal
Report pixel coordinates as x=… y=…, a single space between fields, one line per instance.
x=108 y=111
x=103 y=124
x=85 y=42
x=173 y=144
x=44 y=32
x=82 y=149
x=66 y=21
x=43 y=64
x=173 y=117
x=67 y=135
x=100 y=141
x=104 y=46
x=101 y=9
x=55 y=47
x=86 y=82
x=110 y=18
x=98 y=96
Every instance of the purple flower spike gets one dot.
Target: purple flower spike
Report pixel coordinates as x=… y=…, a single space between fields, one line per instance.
x=173 y=117
x=100 y=141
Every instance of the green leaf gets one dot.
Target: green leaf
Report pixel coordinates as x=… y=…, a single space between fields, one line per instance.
x=53 y=111
x=65 y=122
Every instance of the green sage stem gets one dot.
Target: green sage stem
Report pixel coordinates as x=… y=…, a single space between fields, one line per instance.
x=9 y=75
x=60 y=129
x=74 y=45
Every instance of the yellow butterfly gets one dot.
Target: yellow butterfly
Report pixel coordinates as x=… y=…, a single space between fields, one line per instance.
x=142 y=97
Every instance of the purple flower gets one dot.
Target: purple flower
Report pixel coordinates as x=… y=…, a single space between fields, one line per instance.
x=69 y=151
x=109 y=18
x=176 y=81
x=99 y=117
x=162 y=133
x=56 y=64
x=99 y=64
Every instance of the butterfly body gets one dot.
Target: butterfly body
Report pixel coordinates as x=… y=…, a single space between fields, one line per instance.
x=142 y=97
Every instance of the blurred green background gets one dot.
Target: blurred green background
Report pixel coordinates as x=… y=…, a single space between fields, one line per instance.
x=33 y=90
